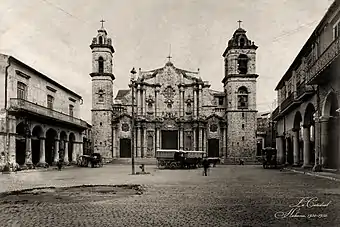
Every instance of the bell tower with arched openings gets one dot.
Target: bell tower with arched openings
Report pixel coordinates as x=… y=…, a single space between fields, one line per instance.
x=240 y=95
x=102 y=93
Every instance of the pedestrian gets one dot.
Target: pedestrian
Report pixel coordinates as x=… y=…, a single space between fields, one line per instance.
x=205 y=166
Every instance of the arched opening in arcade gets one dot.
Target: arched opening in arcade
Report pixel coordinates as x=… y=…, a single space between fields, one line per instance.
x=50 y=146
x=22 y=131
x=71 y=151
x=330 y=132
x=308 y=136
x=297 y=139
x=37 y=134
x=63 y=151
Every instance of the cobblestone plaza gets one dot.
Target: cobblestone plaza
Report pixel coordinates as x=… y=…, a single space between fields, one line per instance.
x=229 y=196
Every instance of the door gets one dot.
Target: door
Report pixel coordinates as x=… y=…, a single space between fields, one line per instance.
x=213 y=147
x=170 y=140
x=125 y=148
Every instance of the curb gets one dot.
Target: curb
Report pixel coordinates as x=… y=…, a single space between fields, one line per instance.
x=313 y=174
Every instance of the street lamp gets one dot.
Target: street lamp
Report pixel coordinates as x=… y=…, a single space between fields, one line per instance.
x=133 y=72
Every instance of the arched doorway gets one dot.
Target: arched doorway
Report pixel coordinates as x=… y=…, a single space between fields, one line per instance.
x=309 y=135
x=71 y=140
x=20 y=143
x=330 y=130
x=62 y=146
x=50 y=149
x=297 y=138
x=289 y=151
x=37 y=133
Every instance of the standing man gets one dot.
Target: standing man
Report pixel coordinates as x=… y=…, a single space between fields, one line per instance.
x=205 y=166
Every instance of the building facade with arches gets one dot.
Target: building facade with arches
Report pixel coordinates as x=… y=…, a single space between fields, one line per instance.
x=307 y=116
x=39 y=121
x=175 y=108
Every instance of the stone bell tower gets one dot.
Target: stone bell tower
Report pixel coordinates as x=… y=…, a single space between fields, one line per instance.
x=102 y=93
x=240 y=90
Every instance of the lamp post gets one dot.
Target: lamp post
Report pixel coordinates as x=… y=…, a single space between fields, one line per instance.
x=133 y=72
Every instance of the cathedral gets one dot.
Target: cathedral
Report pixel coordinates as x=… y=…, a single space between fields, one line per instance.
x=173 y=108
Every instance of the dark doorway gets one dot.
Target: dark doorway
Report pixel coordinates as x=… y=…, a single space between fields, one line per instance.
x=20 y=145
x=213 y=147
x=35 y=150
x=170 y=140
x=125 y=148
x=259 y=148
x=290 y=152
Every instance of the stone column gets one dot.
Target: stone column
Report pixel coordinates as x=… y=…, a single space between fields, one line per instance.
x=156 y=102
x=143 y=101
x=114 y=147
x=200 y=139
x=145 y=143
x=195 y=103
x=200 y=97
x=194 y=139
x=224 y=141
x=139 y=140
x=286 y=150
x=306 y=146
x=318 y=156
x=324 y=140
x=75 y=151
x=28 y=156
x=158 y=139
x=42 y=160
x=296 y=151
x=56 y=151
x=66 y=152
x=181 y=134
x=138 y=100
x=205 y=140
x=281 y=155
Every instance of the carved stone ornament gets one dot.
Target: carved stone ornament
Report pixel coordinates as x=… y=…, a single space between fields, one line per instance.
x=169 y=93
x=125 y=127
x=189 y=99
x=149 y=99
x=213 y=128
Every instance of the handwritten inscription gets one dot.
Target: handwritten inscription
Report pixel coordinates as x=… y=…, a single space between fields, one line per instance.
x=306 y=203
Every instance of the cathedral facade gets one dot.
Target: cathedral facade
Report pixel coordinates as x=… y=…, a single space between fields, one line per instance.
x=173 y=108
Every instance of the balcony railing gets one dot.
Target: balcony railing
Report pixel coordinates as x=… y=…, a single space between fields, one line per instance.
x=288 y=101
x=317 y=65
x=275 y=113
x=303 y=90
x=24 y=105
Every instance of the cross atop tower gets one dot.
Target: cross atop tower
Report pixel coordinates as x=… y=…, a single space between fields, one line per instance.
x=239 y=23
x=102 y=21
x=169 y=57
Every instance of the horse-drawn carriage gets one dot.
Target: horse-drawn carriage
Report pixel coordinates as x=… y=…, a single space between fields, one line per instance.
x=269 y=156
x=95 y=159
x=178 y=158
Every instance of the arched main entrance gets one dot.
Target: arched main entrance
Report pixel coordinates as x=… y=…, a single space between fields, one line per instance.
x=50 y=149
x=330 y=132
x=20 y=143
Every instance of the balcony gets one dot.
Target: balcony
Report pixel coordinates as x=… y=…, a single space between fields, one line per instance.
x=317 y=65
x=304 y=91
x=289 y=103
x=276 y=113
x=21 y=105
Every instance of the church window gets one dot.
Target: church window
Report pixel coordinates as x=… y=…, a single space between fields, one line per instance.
x=188 y=107
x=150 y=105
x=242 y=138
x=101 y=123
x=169 y=106
x=242 y=98
x=50 y=100
x=220 y=101
x=100 y=65
x=242 y=115
x=242 y=126
x=100 y=40
x=242 y=42
x=242 y=64
x=101 y=96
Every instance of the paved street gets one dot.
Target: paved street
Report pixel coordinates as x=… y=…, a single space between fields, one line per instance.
x=229 y=196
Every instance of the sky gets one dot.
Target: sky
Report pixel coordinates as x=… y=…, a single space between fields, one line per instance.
x=53 y=36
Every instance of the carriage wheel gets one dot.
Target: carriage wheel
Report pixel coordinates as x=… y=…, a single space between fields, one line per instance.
x=173 y=165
